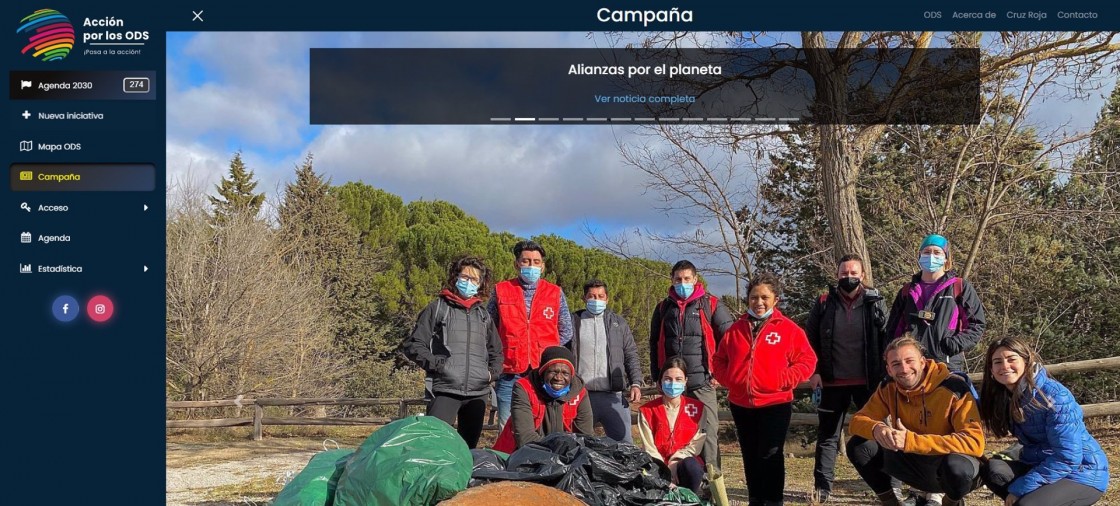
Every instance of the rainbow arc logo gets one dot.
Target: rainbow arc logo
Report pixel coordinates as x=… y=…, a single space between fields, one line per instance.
x=50 y=35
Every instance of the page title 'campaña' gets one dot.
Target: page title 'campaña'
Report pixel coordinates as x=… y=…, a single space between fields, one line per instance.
x=674 y=15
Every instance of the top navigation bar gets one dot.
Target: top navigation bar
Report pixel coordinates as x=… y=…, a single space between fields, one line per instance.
x=611 y=15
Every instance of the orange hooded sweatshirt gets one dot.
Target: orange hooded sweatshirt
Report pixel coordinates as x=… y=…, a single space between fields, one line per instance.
x=940 y=414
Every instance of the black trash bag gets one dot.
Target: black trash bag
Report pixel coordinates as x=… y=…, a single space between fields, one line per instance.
x=486 y=461
x=598 y=471
x=538 y=465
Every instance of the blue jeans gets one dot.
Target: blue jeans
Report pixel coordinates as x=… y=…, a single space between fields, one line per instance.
x=610 y=409
x=504 y=390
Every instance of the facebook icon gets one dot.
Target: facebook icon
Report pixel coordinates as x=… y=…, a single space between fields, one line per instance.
x=65 y=308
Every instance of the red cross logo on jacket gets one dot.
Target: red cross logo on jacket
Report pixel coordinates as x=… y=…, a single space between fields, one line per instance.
x=691 y=411
x=773 y=338
x=549 y=313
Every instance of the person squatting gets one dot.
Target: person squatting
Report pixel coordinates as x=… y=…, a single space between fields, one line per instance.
x=919 y=420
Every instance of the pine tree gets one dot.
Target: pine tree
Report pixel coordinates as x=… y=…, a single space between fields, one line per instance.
x=235 y=193
x=321 y=239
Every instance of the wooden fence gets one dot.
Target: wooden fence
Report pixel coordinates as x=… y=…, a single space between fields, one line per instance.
x=259 y=420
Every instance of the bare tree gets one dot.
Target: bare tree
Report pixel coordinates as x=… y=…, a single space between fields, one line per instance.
x=713 y=184
x=843 y=148
x=973 y=176
x=239 y=320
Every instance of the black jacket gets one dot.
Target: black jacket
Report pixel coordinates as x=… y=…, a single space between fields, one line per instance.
x=957 y=325
x=623 y=366
x=458 y=347
x=822 y=317
x=685 y=336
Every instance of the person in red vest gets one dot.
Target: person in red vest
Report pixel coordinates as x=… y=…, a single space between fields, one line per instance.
x=672 y=427
x=689 y=323
x=548 y=400
x=531 y=314
x=761 y=359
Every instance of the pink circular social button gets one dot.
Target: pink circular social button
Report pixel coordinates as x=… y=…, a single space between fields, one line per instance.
x=99 y=308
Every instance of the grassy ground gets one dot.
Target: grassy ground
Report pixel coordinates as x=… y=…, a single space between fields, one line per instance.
x=193 y=450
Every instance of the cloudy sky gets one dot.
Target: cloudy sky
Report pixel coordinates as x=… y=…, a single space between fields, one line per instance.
x=521 y=178
x=525 y=179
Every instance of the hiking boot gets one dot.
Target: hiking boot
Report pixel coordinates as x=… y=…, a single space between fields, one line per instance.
x=891 y=498
x=923 y=498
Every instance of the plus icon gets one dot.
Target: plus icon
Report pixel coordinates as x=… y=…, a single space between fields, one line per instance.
x=26 y=114
x=773 y=338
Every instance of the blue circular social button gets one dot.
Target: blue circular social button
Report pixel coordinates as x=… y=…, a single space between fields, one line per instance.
x=65 y=308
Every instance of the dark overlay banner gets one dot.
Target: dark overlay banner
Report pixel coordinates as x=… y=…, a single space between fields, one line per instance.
x=597 y=86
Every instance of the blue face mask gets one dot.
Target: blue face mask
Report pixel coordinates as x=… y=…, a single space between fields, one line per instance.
x=931 y=263
x=596 y=306
x=672 y=389
x=556 y=394
x=530 y=275
x=466 y=288
x=760 y=316
x=684 y=290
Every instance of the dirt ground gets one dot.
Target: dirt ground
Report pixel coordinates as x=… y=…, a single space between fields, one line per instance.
x=203 y=470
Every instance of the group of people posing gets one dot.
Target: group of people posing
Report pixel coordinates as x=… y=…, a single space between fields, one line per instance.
x=920 y=419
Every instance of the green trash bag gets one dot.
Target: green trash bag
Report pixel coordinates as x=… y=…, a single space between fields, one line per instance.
x=681 y=495
x=315 y=485
x=417 y=461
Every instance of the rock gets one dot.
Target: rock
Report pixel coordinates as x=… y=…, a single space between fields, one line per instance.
x=512 y=492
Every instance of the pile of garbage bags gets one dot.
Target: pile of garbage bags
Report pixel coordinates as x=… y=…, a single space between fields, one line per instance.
x=597 y=470
x=421 y=460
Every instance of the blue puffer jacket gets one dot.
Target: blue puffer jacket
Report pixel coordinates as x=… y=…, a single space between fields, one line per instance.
x=1056 y=443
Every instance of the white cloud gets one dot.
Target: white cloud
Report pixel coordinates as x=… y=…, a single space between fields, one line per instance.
x=259 y=101
x=512 y=177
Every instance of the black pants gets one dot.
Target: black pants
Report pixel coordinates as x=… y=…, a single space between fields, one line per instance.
x=830 y=414
x=955 y=475
x=762 y=436
x=998 y=475
x=469 y=410
x=690 y=474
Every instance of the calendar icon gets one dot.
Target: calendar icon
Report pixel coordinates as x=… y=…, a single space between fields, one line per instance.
x=25 y=237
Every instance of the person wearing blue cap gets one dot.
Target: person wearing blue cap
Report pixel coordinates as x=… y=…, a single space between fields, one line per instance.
x=938 y=307
x=942 y=311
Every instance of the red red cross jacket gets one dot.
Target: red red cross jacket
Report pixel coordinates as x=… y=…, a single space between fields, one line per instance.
x=763 y=371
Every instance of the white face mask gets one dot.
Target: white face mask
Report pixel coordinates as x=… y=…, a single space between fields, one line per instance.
x=760 y=316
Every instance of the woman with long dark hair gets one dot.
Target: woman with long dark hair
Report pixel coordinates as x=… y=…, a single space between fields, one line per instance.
x=1060 y=462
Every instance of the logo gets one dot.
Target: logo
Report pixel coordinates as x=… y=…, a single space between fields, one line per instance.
x=65 y=308
x=549 y=313
x=691 y=410
x=99 y=308
x=50 y=36
x=773 y=338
